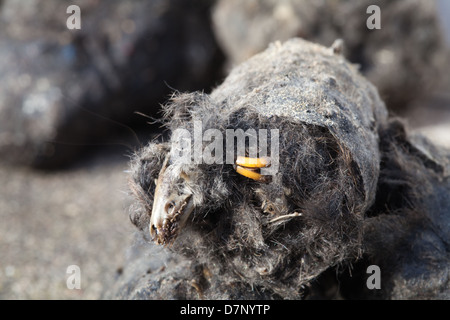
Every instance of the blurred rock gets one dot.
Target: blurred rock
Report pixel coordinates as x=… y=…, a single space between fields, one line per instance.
x=403 y=59
x=79 y=87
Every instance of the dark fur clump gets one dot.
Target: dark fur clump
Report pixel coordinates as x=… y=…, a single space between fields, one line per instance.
x=406 y=231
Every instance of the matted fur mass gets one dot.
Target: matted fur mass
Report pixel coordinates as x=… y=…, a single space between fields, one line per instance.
x=329 y=119
x=233 y=229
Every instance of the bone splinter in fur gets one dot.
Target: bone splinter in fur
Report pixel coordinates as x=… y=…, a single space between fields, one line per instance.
x=285 y=217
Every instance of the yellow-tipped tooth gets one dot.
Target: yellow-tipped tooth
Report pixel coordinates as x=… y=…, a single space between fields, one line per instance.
x=262 y=162
x=249 y=173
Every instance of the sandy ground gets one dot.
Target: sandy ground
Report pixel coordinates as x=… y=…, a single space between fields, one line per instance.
x=50 y=221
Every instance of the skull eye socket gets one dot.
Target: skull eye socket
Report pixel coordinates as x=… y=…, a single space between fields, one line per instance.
x=169 y=207
x=270 y=209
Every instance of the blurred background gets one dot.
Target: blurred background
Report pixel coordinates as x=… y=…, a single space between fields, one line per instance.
x=76 y=103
